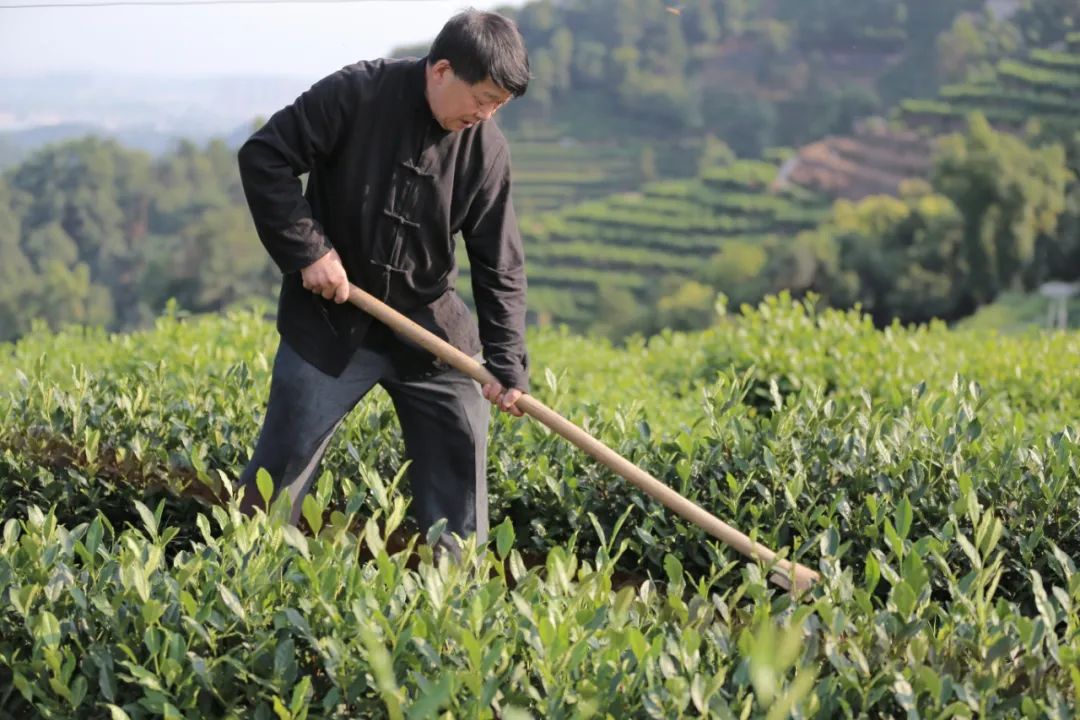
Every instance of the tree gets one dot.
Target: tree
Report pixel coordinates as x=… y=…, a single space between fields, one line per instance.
x=736 y=270
x=973 y=44
x=50 y=243
x=714 y=153
x=562 y=58
x=629 y=20
x=1058 y=255
x=810 y=263
x=665 y=50
x=736 y=16
x=1044 y=22
x=703 y=24
x=618 y=313
x=1008 y=194
x=689 y=307
x=539 y=16
x=541 y=88
x=16 y=273
x=905 y=254
x=746 y=123
x=64 y=295
x=216 y=263
x=94 y=193
x=92 y=233
x=841 y=21
x=590 y=60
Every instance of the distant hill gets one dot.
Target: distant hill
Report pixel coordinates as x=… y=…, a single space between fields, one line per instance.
x=11 y=153
x=635 y=73
x=16 y=145
x=140 y=112
x=662 y=155
x=754 y=74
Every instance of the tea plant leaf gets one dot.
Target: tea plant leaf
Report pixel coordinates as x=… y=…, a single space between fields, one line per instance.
x=265 y=485
x=149 y=521
x=231 y=601
x=294 y=538
x=903 y=518
x=312 y=512
x=11 y=532
x=117 y=713
x=504 y=538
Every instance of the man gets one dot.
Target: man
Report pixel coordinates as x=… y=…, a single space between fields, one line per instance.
x=401 y=158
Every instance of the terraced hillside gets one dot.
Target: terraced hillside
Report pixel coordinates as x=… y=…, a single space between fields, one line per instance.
x=551 y=173
x=1043 y=83
x=633 y=240
x=875 y=160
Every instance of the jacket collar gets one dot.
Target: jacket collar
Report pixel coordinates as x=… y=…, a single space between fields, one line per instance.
x=416 y=84
x=414 y=94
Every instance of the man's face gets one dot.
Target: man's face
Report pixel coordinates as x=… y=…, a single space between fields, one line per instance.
x=457 y=104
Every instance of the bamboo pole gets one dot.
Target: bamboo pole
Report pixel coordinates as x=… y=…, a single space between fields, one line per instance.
x=791 y=576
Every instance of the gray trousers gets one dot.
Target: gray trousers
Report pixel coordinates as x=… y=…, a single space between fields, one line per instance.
x=444 y=421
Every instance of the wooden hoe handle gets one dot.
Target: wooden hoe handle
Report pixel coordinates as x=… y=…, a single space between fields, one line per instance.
x=791 y=576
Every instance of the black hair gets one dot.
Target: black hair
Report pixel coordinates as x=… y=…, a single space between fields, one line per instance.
x=481 y=45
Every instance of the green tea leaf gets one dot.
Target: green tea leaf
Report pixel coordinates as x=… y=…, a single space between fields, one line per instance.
x=265 y=485
x=300 y=697
x=231 y=601
x=48 y=629
x=873 y=572
x=903 y=518
x=93 y=535
x=504 y=538
x=149 y=521
x=117 y=713
x=904 y=598
x=78 y=691
x=11 y=532
x=674 y=569
x=312 y=512
x=294 y=538
x=437 y=696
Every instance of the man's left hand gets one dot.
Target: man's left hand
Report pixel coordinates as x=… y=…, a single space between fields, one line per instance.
x=503 y=399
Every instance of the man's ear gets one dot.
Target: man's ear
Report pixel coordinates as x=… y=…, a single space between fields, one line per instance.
x=441 y=68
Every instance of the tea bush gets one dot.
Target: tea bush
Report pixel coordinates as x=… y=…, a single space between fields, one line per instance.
x=928 y=474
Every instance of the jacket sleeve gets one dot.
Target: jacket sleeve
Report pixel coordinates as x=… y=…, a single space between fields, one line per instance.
x=291 y=142
x=497 y=264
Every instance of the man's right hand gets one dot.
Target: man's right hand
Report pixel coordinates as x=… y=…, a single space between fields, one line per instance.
x=326 y=276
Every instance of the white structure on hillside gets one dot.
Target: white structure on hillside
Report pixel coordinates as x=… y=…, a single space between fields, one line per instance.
x=1059 y=294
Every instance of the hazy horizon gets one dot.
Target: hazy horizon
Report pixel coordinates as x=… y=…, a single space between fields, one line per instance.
x=195 y=70
x=208 y=42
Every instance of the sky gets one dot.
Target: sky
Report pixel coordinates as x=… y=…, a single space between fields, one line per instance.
x=294 y=38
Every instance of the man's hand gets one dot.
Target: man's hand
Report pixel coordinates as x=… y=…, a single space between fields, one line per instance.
x=326 y=276
x=503 y=399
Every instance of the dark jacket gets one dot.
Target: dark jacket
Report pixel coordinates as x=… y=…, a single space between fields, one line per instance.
x=389 y=189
